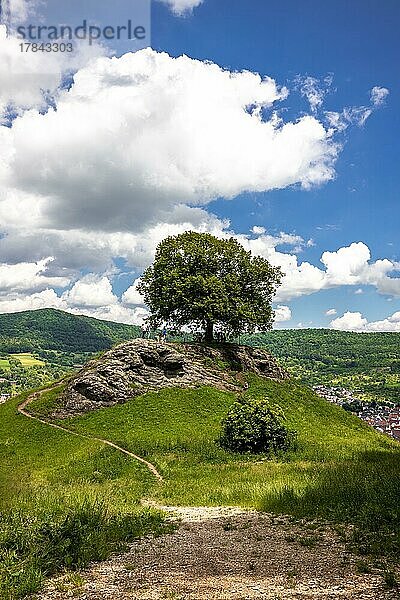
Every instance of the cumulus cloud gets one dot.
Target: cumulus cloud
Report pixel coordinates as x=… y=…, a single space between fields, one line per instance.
x=132 y=153
x=182 y=7
x=355 y=321
x=282 y=313
x=138 y=139
x=91 y=291
x=48 y=298
x=379 y=95
x=350 y=321
x=18 y=303
x=348 y=266
x=132 y=296
x=28 y=276
x=331 y=312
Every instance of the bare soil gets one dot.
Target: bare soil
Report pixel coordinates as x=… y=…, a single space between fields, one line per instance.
x=228 y=553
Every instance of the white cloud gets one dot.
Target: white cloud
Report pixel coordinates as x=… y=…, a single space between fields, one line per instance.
x=350 y=321
x=138 y=138
x=49 y=299
x=133 y=152
x=282 y=313
x=116 y=313
x=356 y=115
x=331 y=312
x=20 y=10
x=28 y=79
x=182 y=7
x=91 y=291
x=354 y=321
x=314 y=90
x=132 y=297
x=28 y=276
x=258 y=230
x=379 y=95
x=18 y=303
x=359 y=292
x=350 y=265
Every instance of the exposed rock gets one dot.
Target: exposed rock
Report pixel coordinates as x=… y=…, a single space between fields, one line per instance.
x=140 y=365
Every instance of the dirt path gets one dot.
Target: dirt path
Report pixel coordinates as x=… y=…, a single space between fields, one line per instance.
x=22 y=411
x=228 y=554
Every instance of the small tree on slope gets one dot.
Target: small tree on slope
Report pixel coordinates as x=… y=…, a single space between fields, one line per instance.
x=200 y=281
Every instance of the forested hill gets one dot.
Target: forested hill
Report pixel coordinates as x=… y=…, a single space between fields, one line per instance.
x=325 y=351
x=50 y=329
x=314 y=344
x=318 y=350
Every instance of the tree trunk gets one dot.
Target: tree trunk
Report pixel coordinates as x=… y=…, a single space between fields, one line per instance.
x=209 y=332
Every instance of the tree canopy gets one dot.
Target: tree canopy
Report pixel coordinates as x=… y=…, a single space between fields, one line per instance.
x=203 y=282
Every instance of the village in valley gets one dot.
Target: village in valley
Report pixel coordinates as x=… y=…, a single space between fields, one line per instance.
x=383 y=416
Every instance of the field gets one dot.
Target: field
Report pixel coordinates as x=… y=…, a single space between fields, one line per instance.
x=27 y=359
x=176 y=430
x=340 y=470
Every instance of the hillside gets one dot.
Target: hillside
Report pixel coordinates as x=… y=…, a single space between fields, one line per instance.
x=51 y=329
x=366 y=362
x=66 y=486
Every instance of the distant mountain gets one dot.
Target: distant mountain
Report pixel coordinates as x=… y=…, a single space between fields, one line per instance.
x=51 y=329
x=315 y=351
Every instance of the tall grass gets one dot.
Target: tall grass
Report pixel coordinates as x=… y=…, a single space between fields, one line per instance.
x=341 y=469
x=33 y=547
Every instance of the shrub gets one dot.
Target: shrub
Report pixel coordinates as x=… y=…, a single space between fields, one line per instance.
x=252 y=425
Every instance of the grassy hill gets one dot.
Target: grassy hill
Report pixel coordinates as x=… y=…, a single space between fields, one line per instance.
x=37 y=347
x=50 y=329
x=69 y=489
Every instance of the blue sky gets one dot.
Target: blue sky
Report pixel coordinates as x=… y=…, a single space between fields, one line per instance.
x=358 y=43
x=341 y=50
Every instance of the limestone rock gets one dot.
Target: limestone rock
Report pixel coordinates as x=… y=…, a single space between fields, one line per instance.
x=138 y=366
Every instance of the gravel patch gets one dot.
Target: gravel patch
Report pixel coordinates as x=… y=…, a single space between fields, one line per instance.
x=228 y=553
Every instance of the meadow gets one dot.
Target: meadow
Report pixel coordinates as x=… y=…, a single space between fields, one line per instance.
x=177 y=430
x=63 y=501
x=27 y=359
x=77 y=489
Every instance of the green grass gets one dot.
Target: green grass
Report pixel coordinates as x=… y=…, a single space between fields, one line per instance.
x=176 y=430
x=63 y=501
x=341 y=469
x=48 y=402
x=27 y=359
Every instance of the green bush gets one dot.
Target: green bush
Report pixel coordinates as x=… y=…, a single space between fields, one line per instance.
x=252 y=425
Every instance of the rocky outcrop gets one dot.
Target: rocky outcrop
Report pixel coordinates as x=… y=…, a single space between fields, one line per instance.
x=138 y=366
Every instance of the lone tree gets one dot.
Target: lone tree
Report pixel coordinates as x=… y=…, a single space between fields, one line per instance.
x=203 y=282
